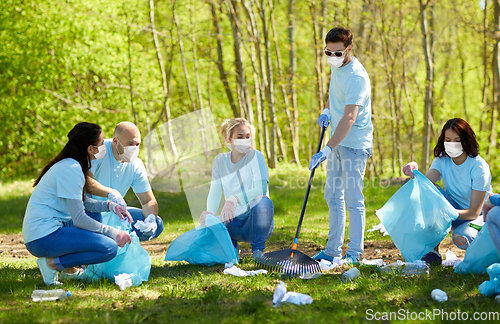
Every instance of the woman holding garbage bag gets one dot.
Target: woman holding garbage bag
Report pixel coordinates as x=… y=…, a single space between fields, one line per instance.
x=466 y=179
x=56 y=228
x=243 y=175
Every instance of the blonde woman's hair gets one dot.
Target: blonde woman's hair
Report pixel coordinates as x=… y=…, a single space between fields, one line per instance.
x=228 y=125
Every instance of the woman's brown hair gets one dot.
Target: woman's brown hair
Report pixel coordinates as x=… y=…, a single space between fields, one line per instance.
x=467 y=138
x=79 y=139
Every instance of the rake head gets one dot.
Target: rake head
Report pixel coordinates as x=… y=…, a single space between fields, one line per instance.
x=289 y=262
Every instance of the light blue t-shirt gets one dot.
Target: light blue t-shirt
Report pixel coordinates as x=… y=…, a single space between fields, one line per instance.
x=252 y=167
x=120 y=176
x=459 y=180
x=350 y=85
x=47 y=208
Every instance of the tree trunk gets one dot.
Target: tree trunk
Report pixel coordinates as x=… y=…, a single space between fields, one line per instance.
x=243 y=94
x=220 y=59
x=496 y=79
x=130 y=70
x=485 y=68
x=269 y=86
x=292 y=56
x=427 y=45
x=166 y=89
x=283 y=151
x=318 y=55
x=259 y=78
x=389 y=74
x=183 y=57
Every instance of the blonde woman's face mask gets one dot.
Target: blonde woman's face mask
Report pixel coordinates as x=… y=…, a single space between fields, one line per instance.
x=241 y=139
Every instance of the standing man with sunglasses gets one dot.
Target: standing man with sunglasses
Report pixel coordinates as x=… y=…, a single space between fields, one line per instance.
x=350 y=146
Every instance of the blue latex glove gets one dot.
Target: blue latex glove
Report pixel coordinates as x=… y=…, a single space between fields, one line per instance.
x=324 y=118
x=319 y=157
x=116 y=197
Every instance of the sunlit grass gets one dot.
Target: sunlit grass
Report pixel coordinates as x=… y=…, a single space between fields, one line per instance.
x=181 y=293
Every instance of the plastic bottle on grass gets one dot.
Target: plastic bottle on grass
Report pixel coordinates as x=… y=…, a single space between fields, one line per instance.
x=49 y=295
x=416 y=267
x=350 y=275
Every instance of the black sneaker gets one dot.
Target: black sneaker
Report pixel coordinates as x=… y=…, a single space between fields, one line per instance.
x=432 y=258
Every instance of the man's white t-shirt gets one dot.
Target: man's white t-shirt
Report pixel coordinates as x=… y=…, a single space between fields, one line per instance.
x=350 y=85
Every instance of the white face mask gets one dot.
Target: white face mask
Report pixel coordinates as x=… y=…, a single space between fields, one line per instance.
x=102 y=152
x=130 y=153
x=335 y=61
x=241 y=145
x=453 y=149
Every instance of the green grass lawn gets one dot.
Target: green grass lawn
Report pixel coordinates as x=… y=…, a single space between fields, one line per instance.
x=180 y=293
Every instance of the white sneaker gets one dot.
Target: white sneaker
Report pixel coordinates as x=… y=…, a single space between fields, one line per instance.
x=257 y=254
x=78 y=275
x=49 y=276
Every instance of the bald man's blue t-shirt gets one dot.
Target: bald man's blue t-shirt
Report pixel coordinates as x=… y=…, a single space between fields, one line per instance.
x=120 y=176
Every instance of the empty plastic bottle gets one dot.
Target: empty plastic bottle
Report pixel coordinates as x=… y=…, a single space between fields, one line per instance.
x=49 y=295
x=416 y=267
x=350 y=275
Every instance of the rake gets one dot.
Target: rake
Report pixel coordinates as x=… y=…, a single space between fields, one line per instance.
x=291 y=262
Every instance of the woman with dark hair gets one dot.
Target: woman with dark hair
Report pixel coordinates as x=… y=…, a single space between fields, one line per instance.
x=466 y=180
x=56 y=228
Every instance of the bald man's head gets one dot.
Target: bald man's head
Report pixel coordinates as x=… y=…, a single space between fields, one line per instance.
x=126 y=134
x=126 y=127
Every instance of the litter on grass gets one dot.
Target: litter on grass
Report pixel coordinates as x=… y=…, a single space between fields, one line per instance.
x=326 y=265
x=439 y=295
x=282 y=296
x=124 y=280
x=237 y=272
x=376 y=262
x=451 y=259
x=380 y=227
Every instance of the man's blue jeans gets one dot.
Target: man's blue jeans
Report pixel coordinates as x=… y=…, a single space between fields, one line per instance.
x=255 y=226
x=72 y=246
x=344 y=186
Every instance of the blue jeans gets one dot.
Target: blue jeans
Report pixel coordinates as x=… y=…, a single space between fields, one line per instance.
x=461 y=228
x=137 y=215
x=493 y=220
x=254 y=226
x=72 y=246
x=344 y=186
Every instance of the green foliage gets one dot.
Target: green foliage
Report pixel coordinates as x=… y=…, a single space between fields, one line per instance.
x=63 y=62
x=181 y=293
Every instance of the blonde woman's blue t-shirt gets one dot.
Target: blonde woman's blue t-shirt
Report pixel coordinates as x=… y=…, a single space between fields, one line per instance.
x=237 y=178
x=47 y=208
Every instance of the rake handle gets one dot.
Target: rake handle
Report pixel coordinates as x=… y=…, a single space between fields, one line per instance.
x=296 y=240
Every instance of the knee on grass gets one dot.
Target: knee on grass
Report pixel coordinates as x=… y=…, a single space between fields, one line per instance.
x=460 y=241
